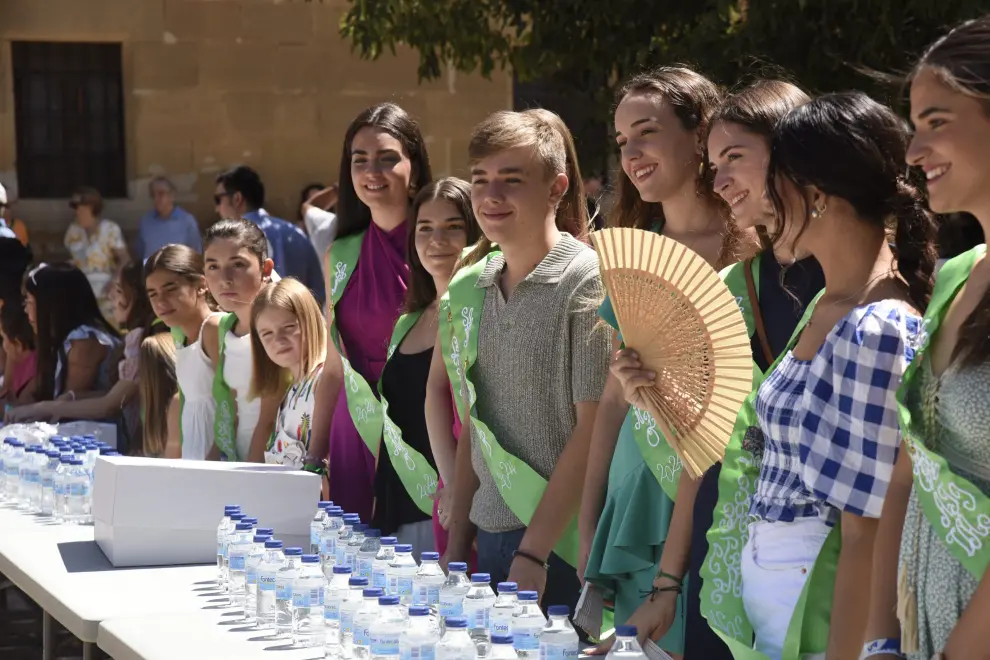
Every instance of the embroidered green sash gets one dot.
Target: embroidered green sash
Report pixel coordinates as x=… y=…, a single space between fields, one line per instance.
x=721 y=590
x=224 y=427
x=958 y=511
x=520 y=486
x=362 y=404
x=415 y=472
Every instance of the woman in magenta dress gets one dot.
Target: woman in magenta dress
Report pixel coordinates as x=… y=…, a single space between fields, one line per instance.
x=384 y=164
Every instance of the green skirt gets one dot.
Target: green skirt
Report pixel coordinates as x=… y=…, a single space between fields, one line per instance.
x=630 y=536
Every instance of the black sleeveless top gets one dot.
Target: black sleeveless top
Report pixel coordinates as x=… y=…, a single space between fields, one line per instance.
x=404 y=386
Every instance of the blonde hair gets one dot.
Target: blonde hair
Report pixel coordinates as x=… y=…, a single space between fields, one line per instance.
x=291 y=295
x=553 y=143
x=156 y=387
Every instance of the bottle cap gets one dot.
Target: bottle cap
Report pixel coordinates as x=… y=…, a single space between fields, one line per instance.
x=273 y=544
x=52 y=453
x=342 y=570
x=358 y=582
x=253 y=521
x=388 y=600
x=458 y=566
x=65 y=458
x=261 y=538
x=352 y=517
x=79 y=450
x=456 y=622
x=335 y=510
x=403 y=547
x=360 y=527
x=76 y=438
x=14 y=442
x=57 y=438
x=372 y=592
x=528 y=595
x=429 y=556
x=311 y=559
x=501 y=639
x=419 y=610
x=293 y=552
x=244 y=527
x=322 y=504
x=625 y=631
x=265 y=530
x=232 y=508
x=507 y=587
x=389 y=540
x=107 y=451
x=559 y=610
x=480 y=578
x=112 y=453
x=237 y=517
x=372 y=533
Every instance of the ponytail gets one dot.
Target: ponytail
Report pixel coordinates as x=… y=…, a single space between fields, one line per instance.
x=914 y=241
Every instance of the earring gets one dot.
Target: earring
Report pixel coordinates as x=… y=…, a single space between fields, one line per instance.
x=701 y=169
x=817 y=213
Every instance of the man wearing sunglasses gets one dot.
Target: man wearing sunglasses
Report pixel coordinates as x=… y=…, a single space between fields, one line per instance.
x=240 y=193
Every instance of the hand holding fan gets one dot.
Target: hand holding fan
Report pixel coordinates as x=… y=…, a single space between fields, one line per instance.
x=686 y=326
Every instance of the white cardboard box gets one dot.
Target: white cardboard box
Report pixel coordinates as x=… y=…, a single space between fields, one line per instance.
x=160 y=512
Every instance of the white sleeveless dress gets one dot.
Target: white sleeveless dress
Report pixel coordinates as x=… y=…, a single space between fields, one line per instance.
x=237 y=367
x=194 y=373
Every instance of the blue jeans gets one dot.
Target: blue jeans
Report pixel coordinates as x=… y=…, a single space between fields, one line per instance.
x=495 y=557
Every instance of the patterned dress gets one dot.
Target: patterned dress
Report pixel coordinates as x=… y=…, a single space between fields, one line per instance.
x=93 y=254
x=956 y=410
x=290 y=439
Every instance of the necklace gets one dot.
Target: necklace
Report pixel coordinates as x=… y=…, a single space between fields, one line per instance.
x=856 y=293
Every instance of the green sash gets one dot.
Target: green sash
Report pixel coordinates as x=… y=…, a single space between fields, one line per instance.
x=958 y=511
x=721 y=589
x=657 y=454
x=362 y=404
x=415 y=472
x=520 y=486
x=224 y=427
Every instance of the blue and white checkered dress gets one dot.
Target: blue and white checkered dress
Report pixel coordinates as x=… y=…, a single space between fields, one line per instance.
x=831 y=423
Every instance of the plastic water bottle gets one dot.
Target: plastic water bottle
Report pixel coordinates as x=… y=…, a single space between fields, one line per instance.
x=559 y=640
x=477 y=608
x=527 y=625
x=505 y=606
x=307 y=604
x=48 y=482
x=379 y=567
x=60 y=485
x=401 y=572
x=79 y=493
x=334 y=594
x=419 y=640
x=367 y=553
x=388 y=628
x=316 y=526
x=251 y=567
x=354 y=546
x=284 y=580
x=348 y=609
x=328 y=539
x=39 y=467
x=456 y=644
x=428 y=581
x=12 y=466
x=4 y=451
x=92 y=453
x=253 y=522
x=454 y=588
x=225 y=566
x=28 y=475
x=222 y=530
x=502 y=648
x=273 y=561
x=625 y=646
x=344 y=537
x=240 y=546
x=364 y=620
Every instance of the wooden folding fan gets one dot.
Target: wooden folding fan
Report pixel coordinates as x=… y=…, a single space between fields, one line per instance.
x=687 y=327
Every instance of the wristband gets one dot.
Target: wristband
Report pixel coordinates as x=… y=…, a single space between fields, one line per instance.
x=315 y=469
x=532 y=558
x=678 y=580
x=885 y=646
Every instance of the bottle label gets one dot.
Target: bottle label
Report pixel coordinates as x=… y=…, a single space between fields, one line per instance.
x=79 y=489
x=551 y=651
x=283 y=589
x=422 y=652
x=237 y=562
x=327 y=546
x=252 y=574
x=266 y=581
x=427 y=595
x=331 y=609
x=47 y=481
x=404 y=586
x=59 y=488
x=362 y=634
x=379 y=579
x=385 y=643
x=346 y=621
x=526 y=639
x=476 y=614
x=364 y=568
x=501 y=622
x=340 y=556
x=308 y=598
x=314 y=537
x=451 y=604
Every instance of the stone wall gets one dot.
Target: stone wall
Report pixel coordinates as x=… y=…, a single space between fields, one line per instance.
x=211 y=83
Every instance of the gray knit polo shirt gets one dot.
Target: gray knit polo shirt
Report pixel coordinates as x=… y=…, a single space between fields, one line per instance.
x=539 y=353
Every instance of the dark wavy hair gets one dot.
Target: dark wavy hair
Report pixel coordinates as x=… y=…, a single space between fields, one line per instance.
x=848 y=145
x=353 y=215
x=132 y=282
x=961 y=61
x=422 y=290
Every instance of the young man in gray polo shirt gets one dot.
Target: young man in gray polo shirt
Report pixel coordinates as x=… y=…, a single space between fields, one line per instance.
x=542 y=359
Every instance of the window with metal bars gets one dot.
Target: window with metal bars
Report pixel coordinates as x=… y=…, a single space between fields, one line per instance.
x=69 y=114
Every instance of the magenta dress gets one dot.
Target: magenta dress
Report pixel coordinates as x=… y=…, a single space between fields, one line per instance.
x=365 y=316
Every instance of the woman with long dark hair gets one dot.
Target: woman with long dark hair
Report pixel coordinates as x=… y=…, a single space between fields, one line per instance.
x=383 y=165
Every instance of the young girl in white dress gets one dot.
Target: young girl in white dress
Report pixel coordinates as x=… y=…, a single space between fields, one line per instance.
x=237 y=267
x=179 y=297
x=289 y=341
